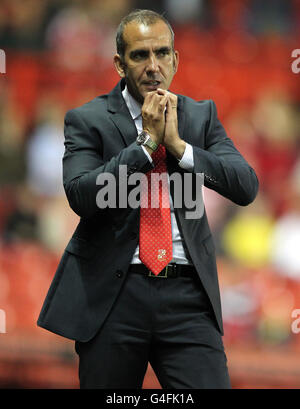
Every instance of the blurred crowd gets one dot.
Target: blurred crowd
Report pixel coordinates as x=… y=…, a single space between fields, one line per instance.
x=236 y=52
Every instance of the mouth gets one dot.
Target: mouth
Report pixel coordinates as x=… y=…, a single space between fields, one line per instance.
x=151 y=84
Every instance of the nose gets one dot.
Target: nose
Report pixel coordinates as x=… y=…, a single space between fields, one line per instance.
x=152 y=64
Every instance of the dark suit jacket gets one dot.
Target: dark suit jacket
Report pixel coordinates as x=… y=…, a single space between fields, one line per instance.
x=100 y=136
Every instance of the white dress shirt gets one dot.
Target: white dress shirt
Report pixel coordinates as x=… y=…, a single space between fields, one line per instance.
x=186 y=162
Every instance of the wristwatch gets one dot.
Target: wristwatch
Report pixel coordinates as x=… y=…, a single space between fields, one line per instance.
x=144 y=139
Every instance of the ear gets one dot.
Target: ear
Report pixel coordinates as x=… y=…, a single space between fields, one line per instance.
x=119 y=65
x=176 y=61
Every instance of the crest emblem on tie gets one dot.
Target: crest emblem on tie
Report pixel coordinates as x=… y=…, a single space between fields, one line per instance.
x=162 y=254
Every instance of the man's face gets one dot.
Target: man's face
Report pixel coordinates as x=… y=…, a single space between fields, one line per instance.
x=149 y=61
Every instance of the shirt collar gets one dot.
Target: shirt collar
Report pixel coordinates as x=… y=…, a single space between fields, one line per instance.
x=135 y=108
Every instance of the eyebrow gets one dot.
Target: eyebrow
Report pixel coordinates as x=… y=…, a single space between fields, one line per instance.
x=133 y=53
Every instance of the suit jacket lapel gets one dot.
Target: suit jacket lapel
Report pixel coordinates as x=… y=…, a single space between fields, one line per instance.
x=120 y=114
x=172 y=163
x=181 y=117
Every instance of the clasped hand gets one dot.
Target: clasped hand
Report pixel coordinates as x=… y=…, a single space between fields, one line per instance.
x=159 y=113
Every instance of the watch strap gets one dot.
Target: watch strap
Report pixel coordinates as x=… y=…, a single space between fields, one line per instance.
x=152 y=145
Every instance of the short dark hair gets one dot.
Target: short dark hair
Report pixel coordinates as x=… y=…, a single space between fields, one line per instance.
x=146 y=17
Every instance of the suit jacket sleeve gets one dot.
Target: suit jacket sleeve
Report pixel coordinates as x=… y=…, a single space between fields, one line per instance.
x=83 y=163
x=224 y=168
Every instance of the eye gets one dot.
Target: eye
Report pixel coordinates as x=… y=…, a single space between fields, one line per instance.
x=139 y=55
x=163 y=52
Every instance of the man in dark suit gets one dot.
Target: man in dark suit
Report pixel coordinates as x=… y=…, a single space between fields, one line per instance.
x=120 y=313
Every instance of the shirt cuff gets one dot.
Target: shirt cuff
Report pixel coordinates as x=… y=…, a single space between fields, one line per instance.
x=187 y=160
x=147 y=154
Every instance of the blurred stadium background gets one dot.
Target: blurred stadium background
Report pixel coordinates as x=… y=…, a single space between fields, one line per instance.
x=236 y=52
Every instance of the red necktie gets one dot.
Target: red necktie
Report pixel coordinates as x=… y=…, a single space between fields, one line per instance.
x=155 y=249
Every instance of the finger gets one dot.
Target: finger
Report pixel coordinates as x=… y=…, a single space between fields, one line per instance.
x=158 y=100
x=171 y=111
x=168 y=110
x=149 y=96
x=148 y=102
x=155 y=106
x=173 y=99
x=162 y=103
x=161 y=91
